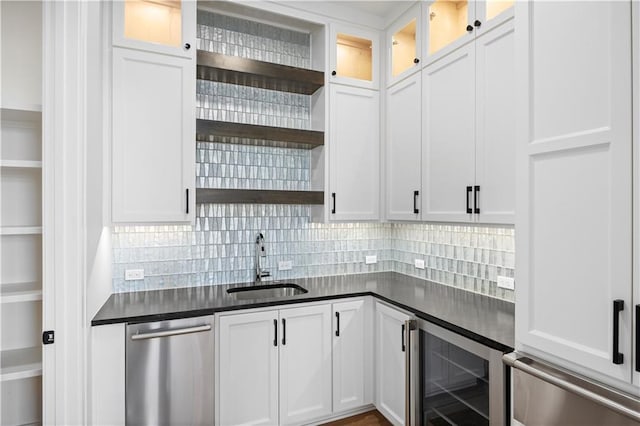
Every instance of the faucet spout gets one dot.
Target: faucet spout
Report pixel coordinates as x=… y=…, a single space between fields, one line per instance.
x=260 y=253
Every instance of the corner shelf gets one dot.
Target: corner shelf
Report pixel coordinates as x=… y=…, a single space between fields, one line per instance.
x=21 y=164
x=20 y=292
x=20 y=364
x=20 y=230
x=249 y=134
x=257 y=196
x=249 y=72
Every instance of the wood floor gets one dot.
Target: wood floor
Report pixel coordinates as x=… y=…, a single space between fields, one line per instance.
x=370 y=418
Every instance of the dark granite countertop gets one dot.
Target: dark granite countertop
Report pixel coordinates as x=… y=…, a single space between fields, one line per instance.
x=487 y=320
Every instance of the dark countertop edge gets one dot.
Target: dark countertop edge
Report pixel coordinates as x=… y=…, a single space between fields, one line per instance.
x=203 y=312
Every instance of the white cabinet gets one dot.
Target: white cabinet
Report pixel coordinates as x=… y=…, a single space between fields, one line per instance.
x=153 y=148
x=404 y=45
x=354 y=54
x=167 y=27
x=390 y=362
x=305 y=364
x=248 y=374
x=404 y=149
x=468 y=132
x=352 y=355
x=574 y=186
x=354 y=145
x=274 y=366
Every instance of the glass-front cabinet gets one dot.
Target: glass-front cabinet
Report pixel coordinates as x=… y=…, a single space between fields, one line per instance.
x=354 y=57
x=404 y=44
x=453 y=23
x=161 y=26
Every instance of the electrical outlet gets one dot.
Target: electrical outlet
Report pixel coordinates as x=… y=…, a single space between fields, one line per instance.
x=133 y=274
x=419 y=263
x=285 y=265
x=371 y=259
x=506 y=282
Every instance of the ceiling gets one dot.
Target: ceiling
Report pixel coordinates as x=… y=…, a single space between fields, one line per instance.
x=378 y=8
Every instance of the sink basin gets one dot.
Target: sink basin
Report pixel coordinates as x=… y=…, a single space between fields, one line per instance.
x=269 y=291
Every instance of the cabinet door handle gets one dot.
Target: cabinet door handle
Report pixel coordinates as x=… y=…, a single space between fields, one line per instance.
x=333 y=205
x=618 y=306
x=404 y=348
x=187 y=191
x=333 y=73
x=416 y=210
x=476 y=199
x=284 y=331
x=416 y=60
x=638 y=338
x=187 y=46
x=469 y=189
x=469 y=28
x=477 y=23
x=275 y=332
x=337 y=324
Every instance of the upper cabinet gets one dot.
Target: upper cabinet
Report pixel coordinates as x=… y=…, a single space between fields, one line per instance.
x=161 y=26
x=451 y=24
x=354 y=56
x=404 y=45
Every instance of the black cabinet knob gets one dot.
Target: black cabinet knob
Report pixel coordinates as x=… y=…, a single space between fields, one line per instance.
x=477 y=23
x=187 y=46
x=333 y=73
x=469 y=28
x=416 y=60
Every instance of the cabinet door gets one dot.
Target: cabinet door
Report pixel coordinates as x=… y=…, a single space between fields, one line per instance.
x=354 y=56
x=305 y=363
x=448 y=128
x=390 y=363
x=495 y=126
x=355 y=153
x=574 y=184
x=404 y=45
x=248 y=370
x=153 y=137
x=491 y=13
x=449 y=26
x=350 y=369
x=167 y=27
x=404 y=149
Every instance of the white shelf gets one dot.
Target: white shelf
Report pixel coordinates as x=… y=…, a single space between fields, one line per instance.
x=20 y=292
x=20 y=230
x=21 y=107
x=30 y=113
x=21 y=164
x=18 y=364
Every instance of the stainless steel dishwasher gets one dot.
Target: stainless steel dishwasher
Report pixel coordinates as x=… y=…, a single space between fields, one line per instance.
x=170 y=372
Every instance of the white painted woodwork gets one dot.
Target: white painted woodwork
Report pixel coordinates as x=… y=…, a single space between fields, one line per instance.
x=248 y=372
x=107 y=380
x=448 y=129
x=402 y=50
x=354 y=57
x=153 y=137
x=21 y=401
x=446 y=31
x=350 y=349
x=305 y=364
x=390 y=363
x=354 y=153
x=492 y=13
x=495 y=125
x=574 y=184
x=155 y=19
x=635 y=26
x=404 y=148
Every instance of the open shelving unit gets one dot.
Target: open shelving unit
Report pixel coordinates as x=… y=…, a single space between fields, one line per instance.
x=21 y=231
x=253 y=73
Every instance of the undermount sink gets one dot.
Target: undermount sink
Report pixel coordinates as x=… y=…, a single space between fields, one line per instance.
x=269 y=291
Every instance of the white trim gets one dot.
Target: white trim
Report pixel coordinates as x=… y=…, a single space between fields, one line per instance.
x=21 y=164
x=20 y=230
x=20 y=364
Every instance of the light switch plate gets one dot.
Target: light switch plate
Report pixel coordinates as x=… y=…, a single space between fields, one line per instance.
x=133 y=274
x=285 y=265
x=506 y=282
x=369 y=260
x=419 y=263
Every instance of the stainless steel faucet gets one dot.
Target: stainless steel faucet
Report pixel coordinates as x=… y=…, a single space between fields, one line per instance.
x=260 y=253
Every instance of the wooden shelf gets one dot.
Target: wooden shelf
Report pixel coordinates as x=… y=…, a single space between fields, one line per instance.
x=249 y=134
x=20 y=363
x=20 y=292
x=256 y=196
x=21 y=164
x=20 y=230
x=265 y=75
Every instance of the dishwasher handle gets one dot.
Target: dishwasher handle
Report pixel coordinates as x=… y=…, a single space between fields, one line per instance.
x=174 y=332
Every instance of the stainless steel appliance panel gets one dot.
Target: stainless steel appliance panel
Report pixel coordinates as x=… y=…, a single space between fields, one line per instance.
x=170 y=372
